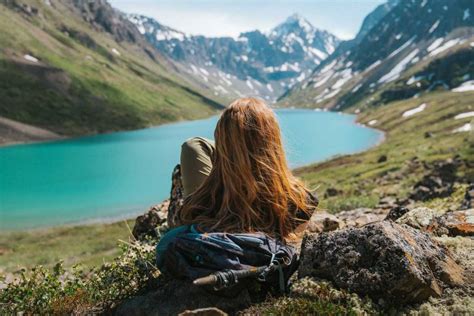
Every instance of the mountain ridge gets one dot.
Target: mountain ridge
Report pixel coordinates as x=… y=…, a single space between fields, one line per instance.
x=406 y=38
x=254 y=63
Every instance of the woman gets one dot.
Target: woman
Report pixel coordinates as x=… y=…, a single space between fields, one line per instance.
x=242 y=183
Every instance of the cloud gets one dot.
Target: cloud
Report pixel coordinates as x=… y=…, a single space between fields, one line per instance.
x=230 y=18
x=215 y=22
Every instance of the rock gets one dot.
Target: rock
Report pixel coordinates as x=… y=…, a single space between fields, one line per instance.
x=323 y=222
x=382 y=158
x=396 y=213
x=146 y=224
x=384 y=260
x=420 y=218
x=361 y=216
x=452 y=223
x=388 y=202
x=102 y=16
x=468 y=201
x=204 y=312
x=439 y=182
x=176 y=296
x=431 y=187
x=332 y=192
x=455 y=223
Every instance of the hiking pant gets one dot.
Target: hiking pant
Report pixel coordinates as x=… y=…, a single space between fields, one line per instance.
x=196 y=162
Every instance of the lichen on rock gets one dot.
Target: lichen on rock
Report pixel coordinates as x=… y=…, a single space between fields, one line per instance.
x=384 y=260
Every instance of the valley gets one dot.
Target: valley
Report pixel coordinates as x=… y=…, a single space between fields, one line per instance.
x=409 y=72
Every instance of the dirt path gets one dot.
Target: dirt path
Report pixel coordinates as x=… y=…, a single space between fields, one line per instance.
x=12 y=132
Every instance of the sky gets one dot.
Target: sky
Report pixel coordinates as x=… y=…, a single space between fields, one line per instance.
x=232 y=17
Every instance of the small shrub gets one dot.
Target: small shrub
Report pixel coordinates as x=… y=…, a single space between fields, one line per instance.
x=56 y=291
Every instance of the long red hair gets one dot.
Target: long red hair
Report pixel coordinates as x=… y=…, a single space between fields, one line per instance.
x=250 y=187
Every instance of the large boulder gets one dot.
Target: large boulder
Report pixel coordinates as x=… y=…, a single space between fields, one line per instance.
x=440 y=222
x=383 y=260
x=420 y=218
x=455 y=223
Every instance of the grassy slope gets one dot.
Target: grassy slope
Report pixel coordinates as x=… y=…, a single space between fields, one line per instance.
x=89 y=245
x=78 y=88
x=405 y=139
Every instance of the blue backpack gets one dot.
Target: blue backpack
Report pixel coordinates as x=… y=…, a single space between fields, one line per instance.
x=221 y=261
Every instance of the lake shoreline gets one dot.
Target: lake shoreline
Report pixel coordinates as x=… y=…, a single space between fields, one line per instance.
x=36 y=139
x=16 y=133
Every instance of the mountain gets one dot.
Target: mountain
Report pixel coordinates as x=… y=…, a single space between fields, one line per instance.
x=79 y=67
x=264 y=64
x=373 y=18
x=395 y=58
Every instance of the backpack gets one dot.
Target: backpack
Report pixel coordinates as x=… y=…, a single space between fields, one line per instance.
x=220 y=261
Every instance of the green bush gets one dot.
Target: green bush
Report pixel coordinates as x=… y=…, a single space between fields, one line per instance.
x=57 y=291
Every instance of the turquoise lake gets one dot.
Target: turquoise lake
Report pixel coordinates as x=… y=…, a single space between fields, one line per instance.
x=118 y=175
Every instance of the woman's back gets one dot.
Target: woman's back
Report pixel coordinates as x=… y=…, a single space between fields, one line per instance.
x=249 y=186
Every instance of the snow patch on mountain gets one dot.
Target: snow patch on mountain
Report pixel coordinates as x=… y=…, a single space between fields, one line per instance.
x=405 y=45
x=435 y=44
x=445 y=46
x=464 y=87
x=374 y=65
x=465 y=128
x=466 y=14
x=395 y=72
x=414 y=111
x=372 y=123
x=434 y=27
x=464 y=115
x=31 y=58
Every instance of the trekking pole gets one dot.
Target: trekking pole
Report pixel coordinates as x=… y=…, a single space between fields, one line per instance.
x=227 y=278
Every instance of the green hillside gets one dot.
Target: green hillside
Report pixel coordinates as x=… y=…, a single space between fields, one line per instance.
x=61 y=71
x=427 y=136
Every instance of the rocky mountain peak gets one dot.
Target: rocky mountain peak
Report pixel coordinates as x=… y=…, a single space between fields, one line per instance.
x=294 y=23
x=149 y=26
x=103 y=16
